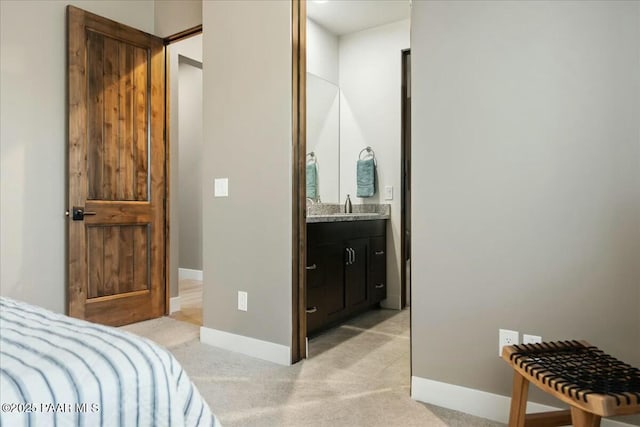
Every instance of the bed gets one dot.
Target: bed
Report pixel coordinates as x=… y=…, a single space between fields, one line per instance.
x=60 y=371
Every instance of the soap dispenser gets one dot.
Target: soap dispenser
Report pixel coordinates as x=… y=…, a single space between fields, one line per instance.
x=347 y=205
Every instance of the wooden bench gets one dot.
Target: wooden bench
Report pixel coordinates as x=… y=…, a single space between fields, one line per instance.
x=591 y=382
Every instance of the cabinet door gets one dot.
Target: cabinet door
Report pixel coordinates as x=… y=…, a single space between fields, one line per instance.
x=356 y=274
x=333 y=289
x=325 y=285
x=316 y=310
x=315 y=267
x=378 y=269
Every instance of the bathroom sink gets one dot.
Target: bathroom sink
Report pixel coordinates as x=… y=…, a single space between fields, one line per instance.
x=341 y=216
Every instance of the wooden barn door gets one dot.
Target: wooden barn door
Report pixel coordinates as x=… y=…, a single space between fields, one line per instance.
x=116 y=245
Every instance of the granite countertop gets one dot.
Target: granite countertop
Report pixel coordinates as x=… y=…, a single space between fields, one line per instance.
x=329 y=212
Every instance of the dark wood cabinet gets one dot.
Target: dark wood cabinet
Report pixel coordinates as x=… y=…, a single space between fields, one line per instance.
x=355 y=274
x=346 y=270
x=378 y=268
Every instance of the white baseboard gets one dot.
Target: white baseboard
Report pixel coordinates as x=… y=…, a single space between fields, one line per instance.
x=476 y=402
x=189 y=274
x=253 y=347
x=174 y=304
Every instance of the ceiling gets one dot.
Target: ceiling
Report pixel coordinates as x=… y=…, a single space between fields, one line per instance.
x=348 y=16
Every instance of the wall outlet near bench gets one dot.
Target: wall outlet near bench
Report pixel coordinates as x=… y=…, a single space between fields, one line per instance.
x=507 y=337
x=531 y=339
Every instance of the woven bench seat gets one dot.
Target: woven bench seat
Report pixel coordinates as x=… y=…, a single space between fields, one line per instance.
x=593 y=383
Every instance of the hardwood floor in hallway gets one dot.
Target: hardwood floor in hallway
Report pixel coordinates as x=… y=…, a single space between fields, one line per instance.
x=190 y=292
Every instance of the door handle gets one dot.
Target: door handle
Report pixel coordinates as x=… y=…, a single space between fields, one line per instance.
x=379 y=285
x=352 y=256
x=312 y=267
x=348 y=256
x=78 y=213
x=379 y=252
x=311 y=310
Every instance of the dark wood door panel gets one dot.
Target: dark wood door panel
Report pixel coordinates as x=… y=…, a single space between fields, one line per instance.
x=117 y=111
x=316 y=309
x=116 y=310
x=114 y=213
x=116 y=170
x=356 y=274
x=118 y=259
x=334 y=292
x=377 y=270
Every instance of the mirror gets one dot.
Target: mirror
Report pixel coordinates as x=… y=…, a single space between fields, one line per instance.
x=323 y=136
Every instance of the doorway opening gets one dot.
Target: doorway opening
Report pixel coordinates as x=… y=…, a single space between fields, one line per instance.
x=351 y=107
x=184 y=176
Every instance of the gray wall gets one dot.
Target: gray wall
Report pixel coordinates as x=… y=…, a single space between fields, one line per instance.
x=191 y=48
x=189 y=191
x=247 y=138
x=526 y=172
x=33 y=142
x=174 y=16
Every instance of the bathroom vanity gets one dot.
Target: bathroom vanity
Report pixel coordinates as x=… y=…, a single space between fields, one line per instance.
x=346 y=266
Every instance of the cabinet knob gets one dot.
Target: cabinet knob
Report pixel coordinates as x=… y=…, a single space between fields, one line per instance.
x=311 y=310
x=312 y=267
x=379 y=285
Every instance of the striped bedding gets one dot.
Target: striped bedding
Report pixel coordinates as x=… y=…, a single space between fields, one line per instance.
x=59 y=371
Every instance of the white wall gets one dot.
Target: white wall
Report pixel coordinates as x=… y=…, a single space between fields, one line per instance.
x=322 y=52
x=323 y=135
x=33 y=142
x=323 y=109
x=247 y=138
x=370 y=115
x=526 y=172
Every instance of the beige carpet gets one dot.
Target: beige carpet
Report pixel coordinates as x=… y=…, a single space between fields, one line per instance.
x=357 y=375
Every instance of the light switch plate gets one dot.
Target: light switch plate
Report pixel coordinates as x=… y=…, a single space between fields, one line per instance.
x=221 y=187
x=388 y=192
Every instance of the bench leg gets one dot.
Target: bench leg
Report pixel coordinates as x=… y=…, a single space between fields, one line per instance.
x=518 y=400
x=581 y=418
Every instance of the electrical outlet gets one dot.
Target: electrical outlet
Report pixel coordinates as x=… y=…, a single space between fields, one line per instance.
x=242 y=300
x=531 y=339
x=507 y=337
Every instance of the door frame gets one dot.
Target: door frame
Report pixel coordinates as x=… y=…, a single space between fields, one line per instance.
x=405 y=172
x=299 y=196
x=182 y=35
